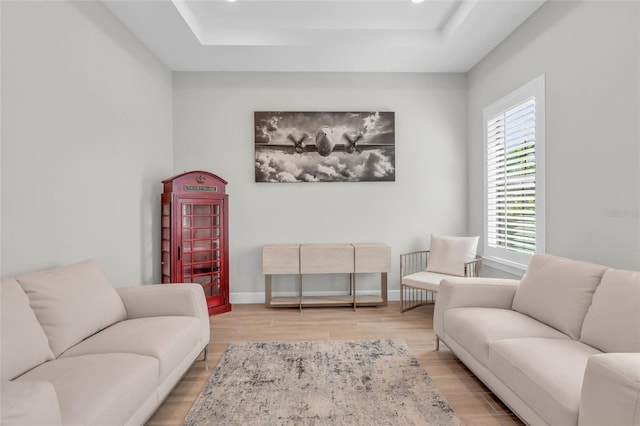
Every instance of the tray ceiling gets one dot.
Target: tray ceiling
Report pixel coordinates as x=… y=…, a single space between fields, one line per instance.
x=322 y=35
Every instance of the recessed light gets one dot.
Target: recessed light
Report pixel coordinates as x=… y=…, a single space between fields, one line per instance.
x=412 y=1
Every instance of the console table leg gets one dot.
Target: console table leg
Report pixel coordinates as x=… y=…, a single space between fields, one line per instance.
x=353 y=286
x=383 y=278
x=267 y=289
x=300 y=290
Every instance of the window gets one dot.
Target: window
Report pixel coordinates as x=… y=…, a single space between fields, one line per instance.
x=514 y=178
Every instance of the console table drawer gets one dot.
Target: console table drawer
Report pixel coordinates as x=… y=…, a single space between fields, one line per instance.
x=281 y=259
x=372 y=257
x=326 y=258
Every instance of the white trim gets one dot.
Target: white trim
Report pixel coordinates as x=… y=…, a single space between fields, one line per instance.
x=514 y=261
x=258 y=297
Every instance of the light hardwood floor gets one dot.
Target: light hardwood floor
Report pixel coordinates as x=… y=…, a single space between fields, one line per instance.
x=472 y=401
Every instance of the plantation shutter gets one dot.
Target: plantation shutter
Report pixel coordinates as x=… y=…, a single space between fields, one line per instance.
x=511 y=178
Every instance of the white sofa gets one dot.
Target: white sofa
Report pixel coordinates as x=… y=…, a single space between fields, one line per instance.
x=559 y=347
x=74 y=350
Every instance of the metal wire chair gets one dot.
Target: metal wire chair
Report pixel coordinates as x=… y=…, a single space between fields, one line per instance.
x=413 y=291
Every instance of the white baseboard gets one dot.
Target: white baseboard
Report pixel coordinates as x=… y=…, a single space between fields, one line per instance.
x=258 y=297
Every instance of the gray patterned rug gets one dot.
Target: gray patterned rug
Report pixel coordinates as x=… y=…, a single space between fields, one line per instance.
x=360 y=382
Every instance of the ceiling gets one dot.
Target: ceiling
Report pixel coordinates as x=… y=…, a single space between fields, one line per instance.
x=322 y=35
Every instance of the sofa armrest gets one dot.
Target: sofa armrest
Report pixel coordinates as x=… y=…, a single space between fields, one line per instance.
x=166 y=300
x=163 y=300
x=457 y=292
x=29 y=403
x=611 y=390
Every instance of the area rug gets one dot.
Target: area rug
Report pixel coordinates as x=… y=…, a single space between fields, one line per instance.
x=358 y=382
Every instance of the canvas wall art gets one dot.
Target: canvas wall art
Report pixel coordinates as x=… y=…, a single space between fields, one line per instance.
x=324 y=146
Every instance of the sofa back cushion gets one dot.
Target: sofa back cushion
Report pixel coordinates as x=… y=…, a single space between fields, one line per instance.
x=558 y=291
x=24 y=344
x=447 y=255
x=612 y=323
x=72 y=302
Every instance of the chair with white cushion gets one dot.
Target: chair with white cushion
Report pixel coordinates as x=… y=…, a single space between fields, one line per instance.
x=422 y=271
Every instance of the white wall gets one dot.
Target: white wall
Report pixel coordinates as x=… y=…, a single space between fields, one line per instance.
x=86 y=139
x=87 y=136
x=590 y=53
x=213 y=130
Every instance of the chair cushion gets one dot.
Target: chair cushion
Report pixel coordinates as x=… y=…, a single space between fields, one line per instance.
x=476 y=328
x=424 y=280
x=545 y=373
x=558 y=291
x=168 y=339
x=24 y=344
x=104 y=389
x=448 y=255
x=612 y=323
x=72 y=302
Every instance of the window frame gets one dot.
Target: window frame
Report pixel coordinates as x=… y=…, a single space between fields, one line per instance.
x=501 y=258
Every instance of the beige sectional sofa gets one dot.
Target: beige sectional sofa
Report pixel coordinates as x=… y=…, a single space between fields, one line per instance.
x=559 y=347
x=75 y=350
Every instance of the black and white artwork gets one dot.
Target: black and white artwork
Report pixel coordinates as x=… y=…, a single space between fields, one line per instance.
x=324 y=146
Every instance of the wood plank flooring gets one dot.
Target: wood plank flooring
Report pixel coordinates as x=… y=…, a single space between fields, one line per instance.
x=472 y=401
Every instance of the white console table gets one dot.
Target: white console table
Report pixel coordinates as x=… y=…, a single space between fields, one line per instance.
x=302 y=259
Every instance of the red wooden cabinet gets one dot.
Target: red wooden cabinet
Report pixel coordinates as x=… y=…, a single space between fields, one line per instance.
x=195 y=235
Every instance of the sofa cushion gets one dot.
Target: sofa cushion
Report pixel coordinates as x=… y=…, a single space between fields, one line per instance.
x=27 y=403
x=476 y=328
x=558 y=291
x=168 y=339
x=612 y=323
x=72 y=302
x=24 y=344
x=447 y=255
x=104 y=389
x=611 y=390
x=545 y=373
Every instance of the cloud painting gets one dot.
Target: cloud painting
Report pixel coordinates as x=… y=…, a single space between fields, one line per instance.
x=324 y=146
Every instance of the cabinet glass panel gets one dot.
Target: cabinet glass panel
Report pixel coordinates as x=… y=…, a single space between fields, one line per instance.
x=204 y=280
x=202 y=209
x=202 y=233
x=202 y=221
x=165 y=242
x=200 y=244
x=166 y=264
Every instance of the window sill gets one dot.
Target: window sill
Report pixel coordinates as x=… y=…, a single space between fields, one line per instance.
x=504 y=265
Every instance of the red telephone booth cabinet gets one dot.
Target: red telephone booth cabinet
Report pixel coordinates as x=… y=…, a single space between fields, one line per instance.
x=195 y=235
